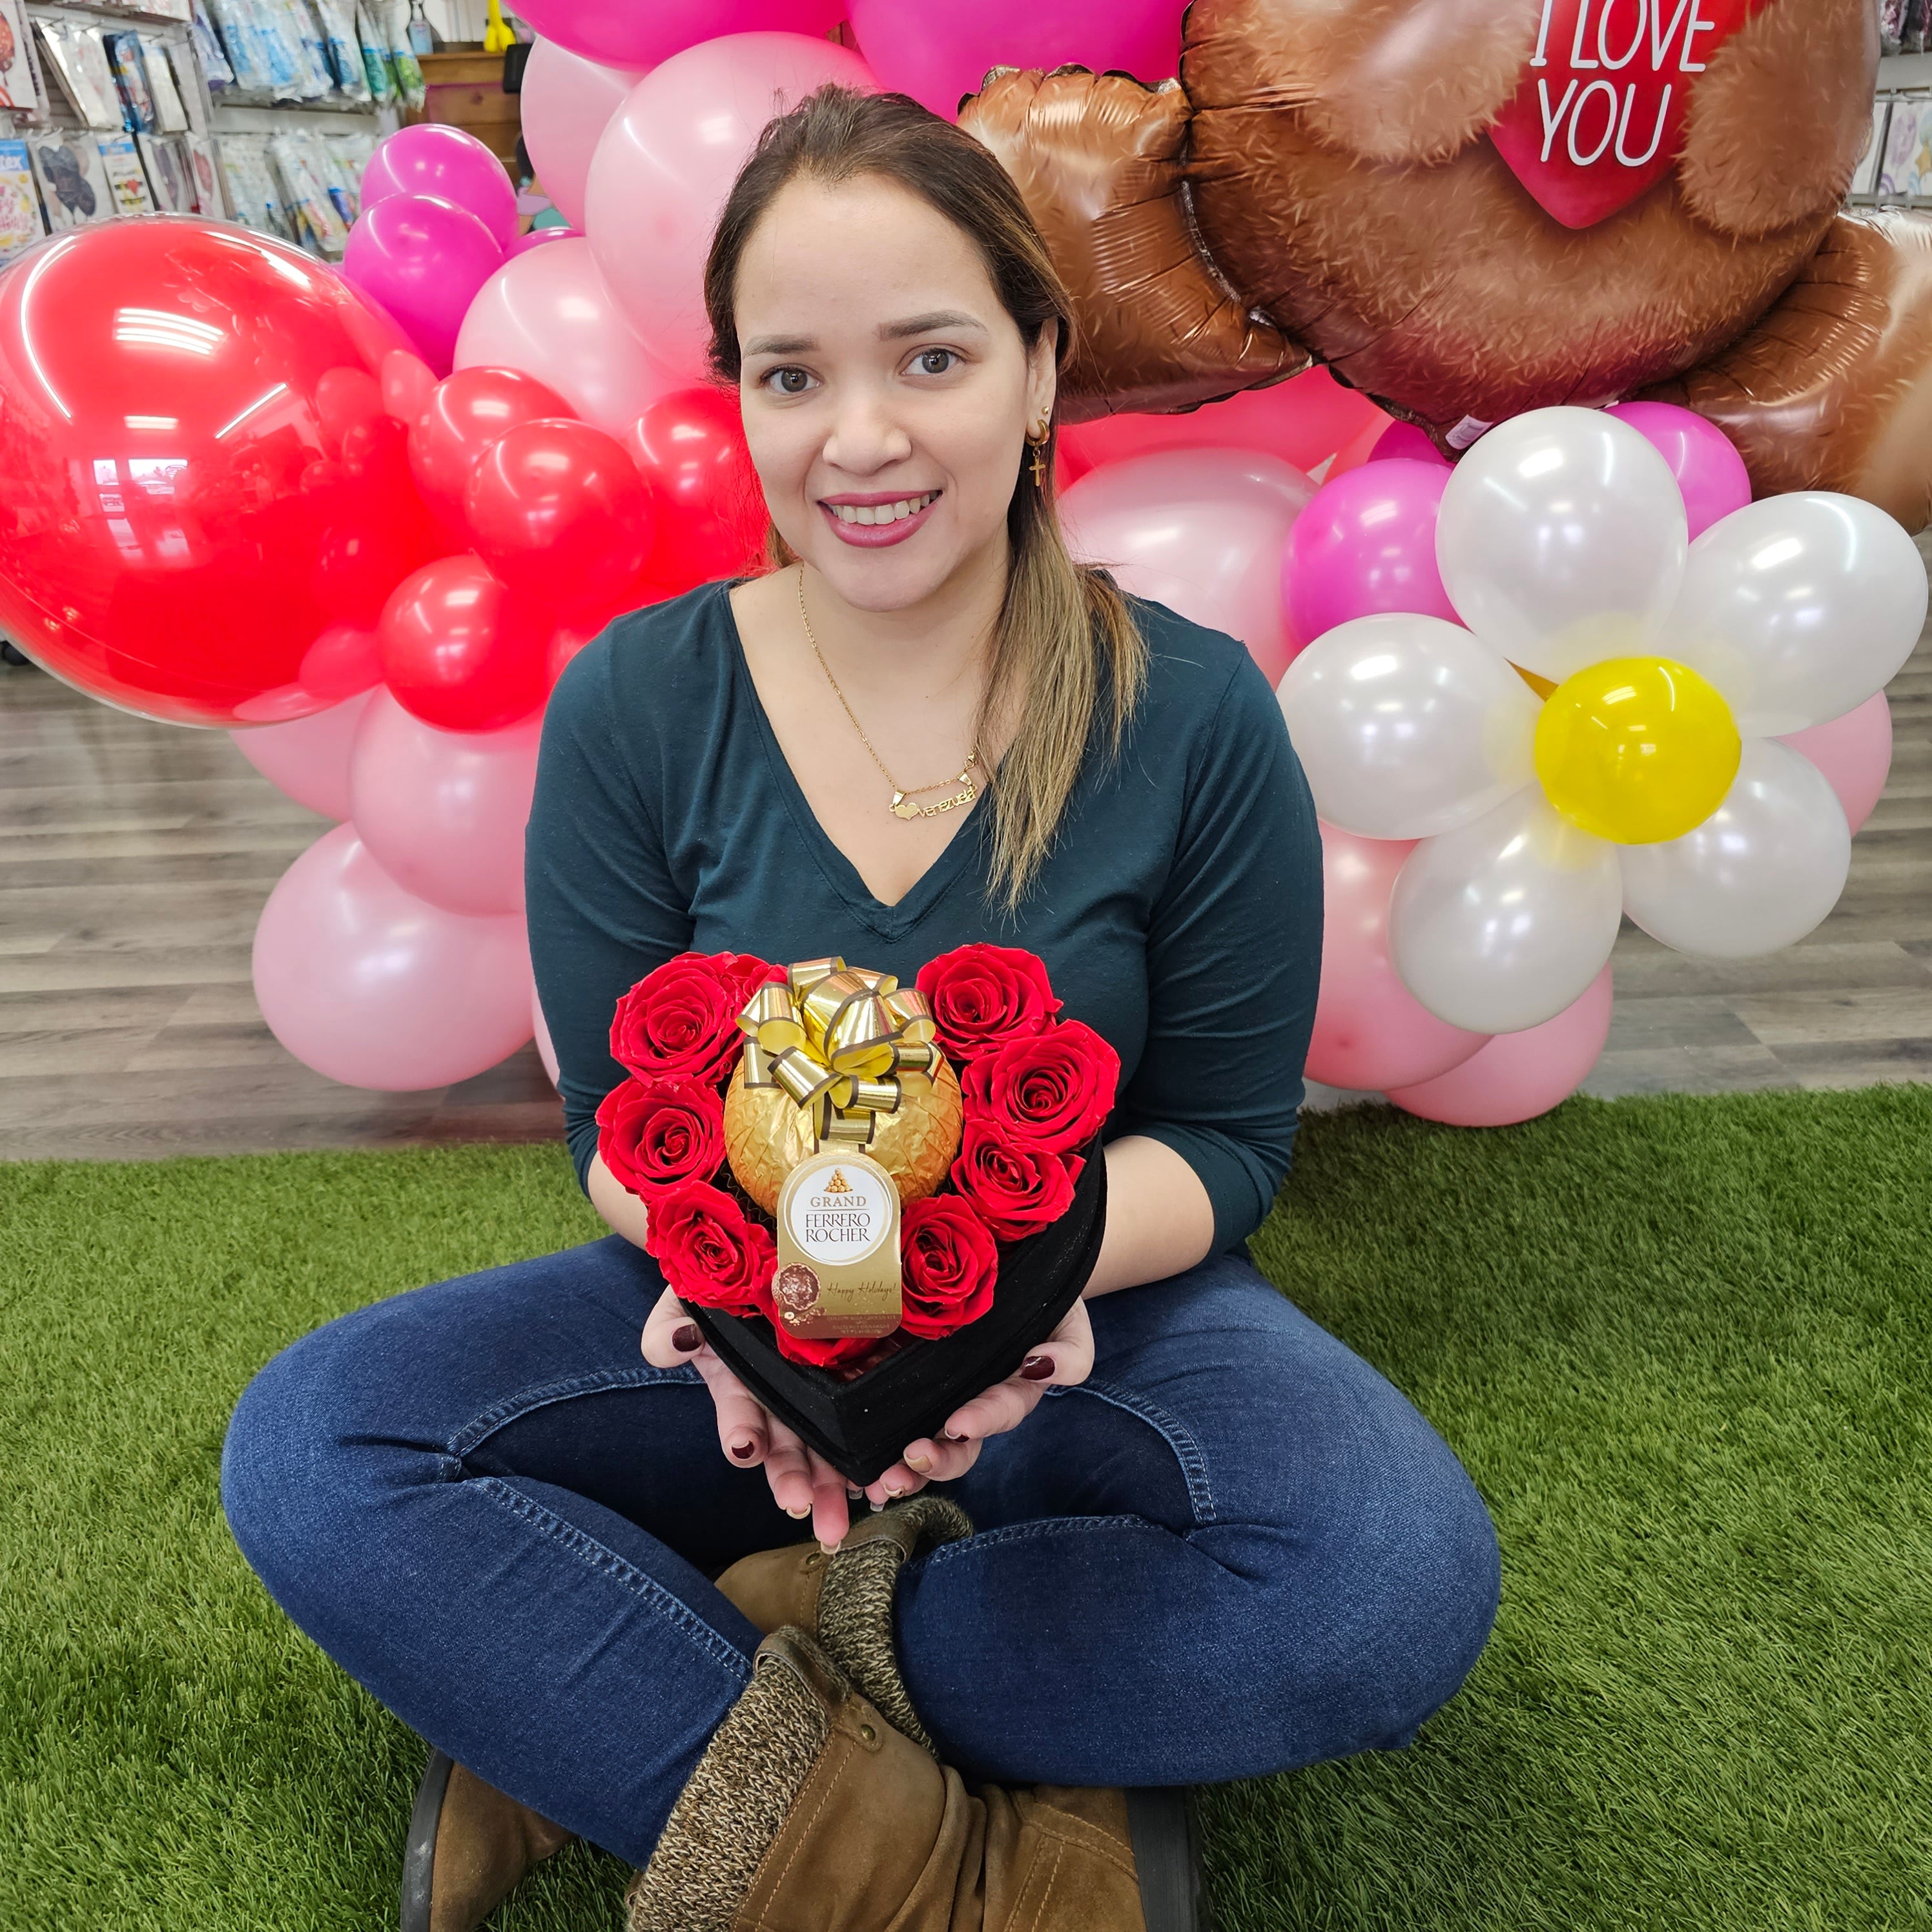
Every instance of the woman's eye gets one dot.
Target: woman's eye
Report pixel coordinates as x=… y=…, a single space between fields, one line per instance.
x=934 y=361
x=788 y=381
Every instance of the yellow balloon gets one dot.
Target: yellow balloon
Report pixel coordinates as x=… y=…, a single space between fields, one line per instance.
x=1636 y=749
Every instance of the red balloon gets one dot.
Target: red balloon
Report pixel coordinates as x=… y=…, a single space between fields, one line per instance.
x=459 y=652
x=711 y=513
x=196 y=481
x=466 y=413
x=559 y=512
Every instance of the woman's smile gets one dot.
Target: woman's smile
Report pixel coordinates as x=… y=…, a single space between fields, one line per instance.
x=870 y=519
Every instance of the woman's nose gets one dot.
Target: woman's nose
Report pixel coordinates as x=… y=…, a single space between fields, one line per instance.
x=864 y=438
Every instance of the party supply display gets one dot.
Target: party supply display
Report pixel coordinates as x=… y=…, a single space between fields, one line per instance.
x=199 y=478
x=1480 y=211
x=926 y=1227
x=1644 y=781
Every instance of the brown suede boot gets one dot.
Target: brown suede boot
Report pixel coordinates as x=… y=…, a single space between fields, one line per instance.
x=846 y=1599
x=809 y=1813
x=469 y=1846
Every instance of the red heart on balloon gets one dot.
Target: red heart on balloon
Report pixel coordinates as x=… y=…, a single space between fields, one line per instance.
x=1598 y=118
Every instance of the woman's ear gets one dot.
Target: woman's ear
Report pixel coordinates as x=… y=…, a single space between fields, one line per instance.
x=1042 y=373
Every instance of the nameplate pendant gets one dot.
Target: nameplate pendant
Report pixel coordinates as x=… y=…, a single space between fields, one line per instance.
x=838 y=1248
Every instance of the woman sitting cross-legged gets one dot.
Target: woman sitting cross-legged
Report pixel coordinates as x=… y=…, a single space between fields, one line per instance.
x=1193 y=1537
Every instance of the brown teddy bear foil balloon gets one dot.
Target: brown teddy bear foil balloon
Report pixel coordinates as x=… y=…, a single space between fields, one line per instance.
x=1469 y=209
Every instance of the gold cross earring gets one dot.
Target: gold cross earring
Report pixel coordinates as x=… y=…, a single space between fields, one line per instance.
x=1036 y=441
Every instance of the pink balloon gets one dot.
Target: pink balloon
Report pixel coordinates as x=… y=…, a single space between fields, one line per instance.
x=625 y=34
x=1519 y=1075
x=1302 y=420
x=1199 y=530
x=1371 y=1032
x=546 y=1052
x=667 y=159
x=443 y=812
x=1365 y=543
x=548 y=313
x=1357 y=450
x=369 y=985
x=424 y=260
x=432 y=158
x=308 y=758
x=1405 y=440
x=566 y=103
x=1855 y=754
x=537 y=238
x=937 y=53
x=1709 y=471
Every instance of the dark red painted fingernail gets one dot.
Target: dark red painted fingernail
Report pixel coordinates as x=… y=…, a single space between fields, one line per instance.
x=686 y=1337
x=1036 y=1368
x=744 y=1451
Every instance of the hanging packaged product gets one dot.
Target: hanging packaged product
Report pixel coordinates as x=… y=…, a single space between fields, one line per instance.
x=125 y=177
x=170 y=173
x=214 y=63
x=246 y=56
x=320 y=223
x=22 y=223
x=376 y=64
x=345 y=56
x=170 y=115
x=130 y=68
x=409 y=75
x=20 y=88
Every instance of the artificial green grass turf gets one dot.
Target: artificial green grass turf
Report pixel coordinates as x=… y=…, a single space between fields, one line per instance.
x=1680 y=1344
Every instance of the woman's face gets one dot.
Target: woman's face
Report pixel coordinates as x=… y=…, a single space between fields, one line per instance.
x=887 y=393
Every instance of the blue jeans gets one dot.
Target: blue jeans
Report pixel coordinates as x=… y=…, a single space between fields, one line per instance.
x=1235 y=1549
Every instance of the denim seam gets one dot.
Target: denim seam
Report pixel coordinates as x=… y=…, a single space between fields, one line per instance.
x=1029 y=1532
x=512 y=1408
x=606 y=1562
x=1172 y=1431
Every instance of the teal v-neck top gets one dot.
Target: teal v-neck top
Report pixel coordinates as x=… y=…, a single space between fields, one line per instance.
x=1179 y=913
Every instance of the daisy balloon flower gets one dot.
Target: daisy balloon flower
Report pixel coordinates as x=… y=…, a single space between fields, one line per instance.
x=1601 y=738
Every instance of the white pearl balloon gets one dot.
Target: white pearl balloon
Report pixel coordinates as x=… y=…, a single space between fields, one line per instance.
x=1758 y=873
x=1561 y=540
x=1407 y=726
x=1798 y=608
x=1501 y=926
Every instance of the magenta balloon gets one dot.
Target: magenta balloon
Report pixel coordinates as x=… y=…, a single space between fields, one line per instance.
x=424 y=260
x=1371 y=1032
x=369 y=985
x=1709 y=471
x=668 y=158
x=308 y=759
x=566 y=103
x=938 y=52
x=537 y=238
x=548 y=313
x=1200 y=530
x=1854 y=752
x=1365 y=543
x=1405 y=439
x=625 y=33
x=443 y=812
x=431 y=157
x=1519 y=1075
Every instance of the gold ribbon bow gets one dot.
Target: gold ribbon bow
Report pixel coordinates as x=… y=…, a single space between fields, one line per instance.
x=840 y=1040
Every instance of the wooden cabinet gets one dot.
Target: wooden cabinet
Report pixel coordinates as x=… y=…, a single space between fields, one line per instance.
x=464 y=89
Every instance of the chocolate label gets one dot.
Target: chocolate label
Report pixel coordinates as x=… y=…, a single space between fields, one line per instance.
x=838 y=1248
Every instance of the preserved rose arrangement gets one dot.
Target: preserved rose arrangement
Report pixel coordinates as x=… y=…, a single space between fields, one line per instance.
x=966 y=1096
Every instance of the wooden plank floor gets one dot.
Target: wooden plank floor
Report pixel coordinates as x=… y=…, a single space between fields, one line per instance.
x=134 y=858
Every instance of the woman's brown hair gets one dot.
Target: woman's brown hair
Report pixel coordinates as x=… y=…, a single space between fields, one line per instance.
x=1065 y=645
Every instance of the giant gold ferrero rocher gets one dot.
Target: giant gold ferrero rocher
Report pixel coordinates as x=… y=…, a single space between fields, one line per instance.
x=840 y=1057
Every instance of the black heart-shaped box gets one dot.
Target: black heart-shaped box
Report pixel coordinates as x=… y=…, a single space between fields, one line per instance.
x=861 y=1425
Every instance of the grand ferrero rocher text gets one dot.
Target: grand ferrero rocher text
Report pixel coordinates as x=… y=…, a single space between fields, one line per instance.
x=838 y=1247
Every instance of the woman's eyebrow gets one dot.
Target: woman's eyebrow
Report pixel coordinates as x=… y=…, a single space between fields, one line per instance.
x=918 y=325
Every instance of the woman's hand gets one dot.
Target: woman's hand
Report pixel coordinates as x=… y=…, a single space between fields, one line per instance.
x=803 y=1482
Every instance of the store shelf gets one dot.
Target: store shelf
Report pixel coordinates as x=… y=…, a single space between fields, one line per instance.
x=1903 y=71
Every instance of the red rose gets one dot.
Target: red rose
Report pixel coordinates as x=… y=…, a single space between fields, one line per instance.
x=981 y=995
x=950 y=1264
x=825 y=1351
x=1051 y=1091
x=682 y=1020
x=1017 y=1188
x=655 y=1134
x=710 y=1254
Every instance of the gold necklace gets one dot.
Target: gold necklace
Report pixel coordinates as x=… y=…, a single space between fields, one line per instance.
x=905 y=803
